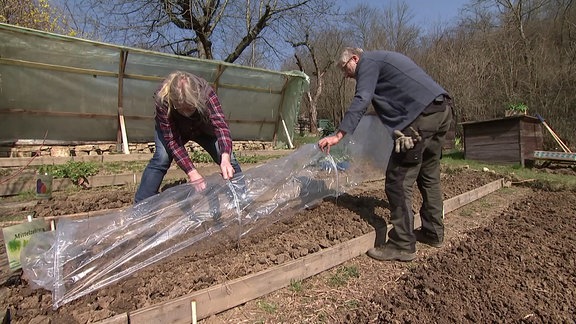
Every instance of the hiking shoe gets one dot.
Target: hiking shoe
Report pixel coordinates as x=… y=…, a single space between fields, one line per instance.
x=388 y=253
x=425 y=238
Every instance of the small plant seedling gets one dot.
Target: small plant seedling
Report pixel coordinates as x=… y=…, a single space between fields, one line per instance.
x=342 y=276
x=352 y=304
x=26 y=195
x=458 y=145
x=466 y=212
x=75 y=171
x=267 y=307
x=47 y=169
x=516 y=109
x=201 y=157
x=350 y=272
x=296 y=285
x=519 y=107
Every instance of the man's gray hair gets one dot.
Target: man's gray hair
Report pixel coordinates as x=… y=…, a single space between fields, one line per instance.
x=348 y=52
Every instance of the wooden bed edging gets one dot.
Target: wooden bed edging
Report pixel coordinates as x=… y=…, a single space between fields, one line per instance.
x=27 y=182
x=235 y=292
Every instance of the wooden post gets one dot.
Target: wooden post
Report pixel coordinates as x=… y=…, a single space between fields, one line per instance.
x=290 y=145
x=280 y=119
x=122 y=136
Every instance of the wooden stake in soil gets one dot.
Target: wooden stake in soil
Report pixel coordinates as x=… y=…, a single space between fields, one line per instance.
x=193 y=305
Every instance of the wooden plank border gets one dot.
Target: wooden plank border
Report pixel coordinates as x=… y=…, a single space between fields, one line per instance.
x=224 y=296
x=28 y=182
x=230 y=294
x=109 y=158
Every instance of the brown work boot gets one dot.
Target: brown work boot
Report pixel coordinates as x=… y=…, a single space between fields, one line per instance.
x=425 y=238
x=389 y=253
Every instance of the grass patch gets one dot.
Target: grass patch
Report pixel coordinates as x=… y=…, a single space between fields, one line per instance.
x=295 y=286
x=516 y=173
x=352 y=304
x=306 y=139
x=466 y=212
x=253 y=159
x=453 y=156
x=76 y=170
x=123 y=167
x=342 y=275
x=26 y=195
x=269 y=308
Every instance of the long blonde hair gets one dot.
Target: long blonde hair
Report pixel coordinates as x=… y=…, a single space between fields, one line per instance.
x=185 y=89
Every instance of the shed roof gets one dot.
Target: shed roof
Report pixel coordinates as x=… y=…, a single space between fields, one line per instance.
x=525 y=117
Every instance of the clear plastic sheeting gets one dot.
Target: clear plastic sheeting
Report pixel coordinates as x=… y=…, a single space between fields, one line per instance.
x=82 y=256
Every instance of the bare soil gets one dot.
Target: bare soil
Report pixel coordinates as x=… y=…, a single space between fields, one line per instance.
x=508 y=257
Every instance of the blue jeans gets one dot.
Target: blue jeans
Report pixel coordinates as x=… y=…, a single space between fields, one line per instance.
x=162 y=159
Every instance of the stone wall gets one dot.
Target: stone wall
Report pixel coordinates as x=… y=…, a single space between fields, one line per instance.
x=110 y=148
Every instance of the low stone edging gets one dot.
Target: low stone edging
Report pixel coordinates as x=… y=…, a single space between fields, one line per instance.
x=108 y=148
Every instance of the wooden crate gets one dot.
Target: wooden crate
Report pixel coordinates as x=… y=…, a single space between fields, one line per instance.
x=509 y=140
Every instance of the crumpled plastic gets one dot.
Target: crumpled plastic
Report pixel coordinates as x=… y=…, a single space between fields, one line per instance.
x=84 y=255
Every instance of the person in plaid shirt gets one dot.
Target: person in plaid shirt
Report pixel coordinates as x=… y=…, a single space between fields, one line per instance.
x=187 y=109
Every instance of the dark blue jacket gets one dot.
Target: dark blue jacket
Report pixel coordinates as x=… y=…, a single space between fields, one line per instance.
x=398 y=89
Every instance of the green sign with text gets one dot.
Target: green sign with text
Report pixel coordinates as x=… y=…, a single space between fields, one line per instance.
x=16 y=238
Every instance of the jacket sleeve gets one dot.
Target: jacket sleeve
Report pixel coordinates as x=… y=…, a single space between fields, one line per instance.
x=219 y=124
x=367 y=73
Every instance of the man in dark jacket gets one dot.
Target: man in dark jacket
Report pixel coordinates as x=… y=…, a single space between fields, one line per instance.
x=417 y=112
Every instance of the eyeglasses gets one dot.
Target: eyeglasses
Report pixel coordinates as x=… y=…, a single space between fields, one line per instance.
x=343 y=66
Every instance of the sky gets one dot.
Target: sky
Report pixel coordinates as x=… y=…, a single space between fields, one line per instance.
x=426 y=12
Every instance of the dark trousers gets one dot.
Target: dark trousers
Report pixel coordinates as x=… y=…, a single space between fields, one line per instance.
x=420 y=165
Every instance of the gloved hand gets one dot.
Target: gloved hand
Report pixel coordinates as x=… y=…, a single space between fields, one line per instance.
x=403 y=143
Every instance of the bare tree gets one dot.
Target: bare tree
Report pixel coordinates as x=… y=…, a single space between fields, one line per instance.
x=365 y=27
x=210 y=29
x=390 y=27
x=505 y=52
x=321 y=57
x=398 y=23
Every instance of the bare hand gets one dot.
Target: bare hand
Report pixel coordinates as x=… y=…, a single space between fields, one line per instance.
x=325 y=143
x=226 y=168
x=197 y=181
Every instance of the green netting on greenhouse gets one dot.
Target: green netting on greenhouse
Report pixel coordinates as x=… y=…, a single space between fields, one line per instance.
x=64 y=89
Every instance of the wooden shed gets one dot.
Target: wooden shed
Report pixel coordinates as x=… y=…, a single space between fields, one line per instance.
x=506 y=140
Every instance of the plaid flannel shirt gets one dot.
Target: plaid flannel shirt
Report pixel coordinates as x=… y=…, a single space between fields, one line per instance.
x=177 y=129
